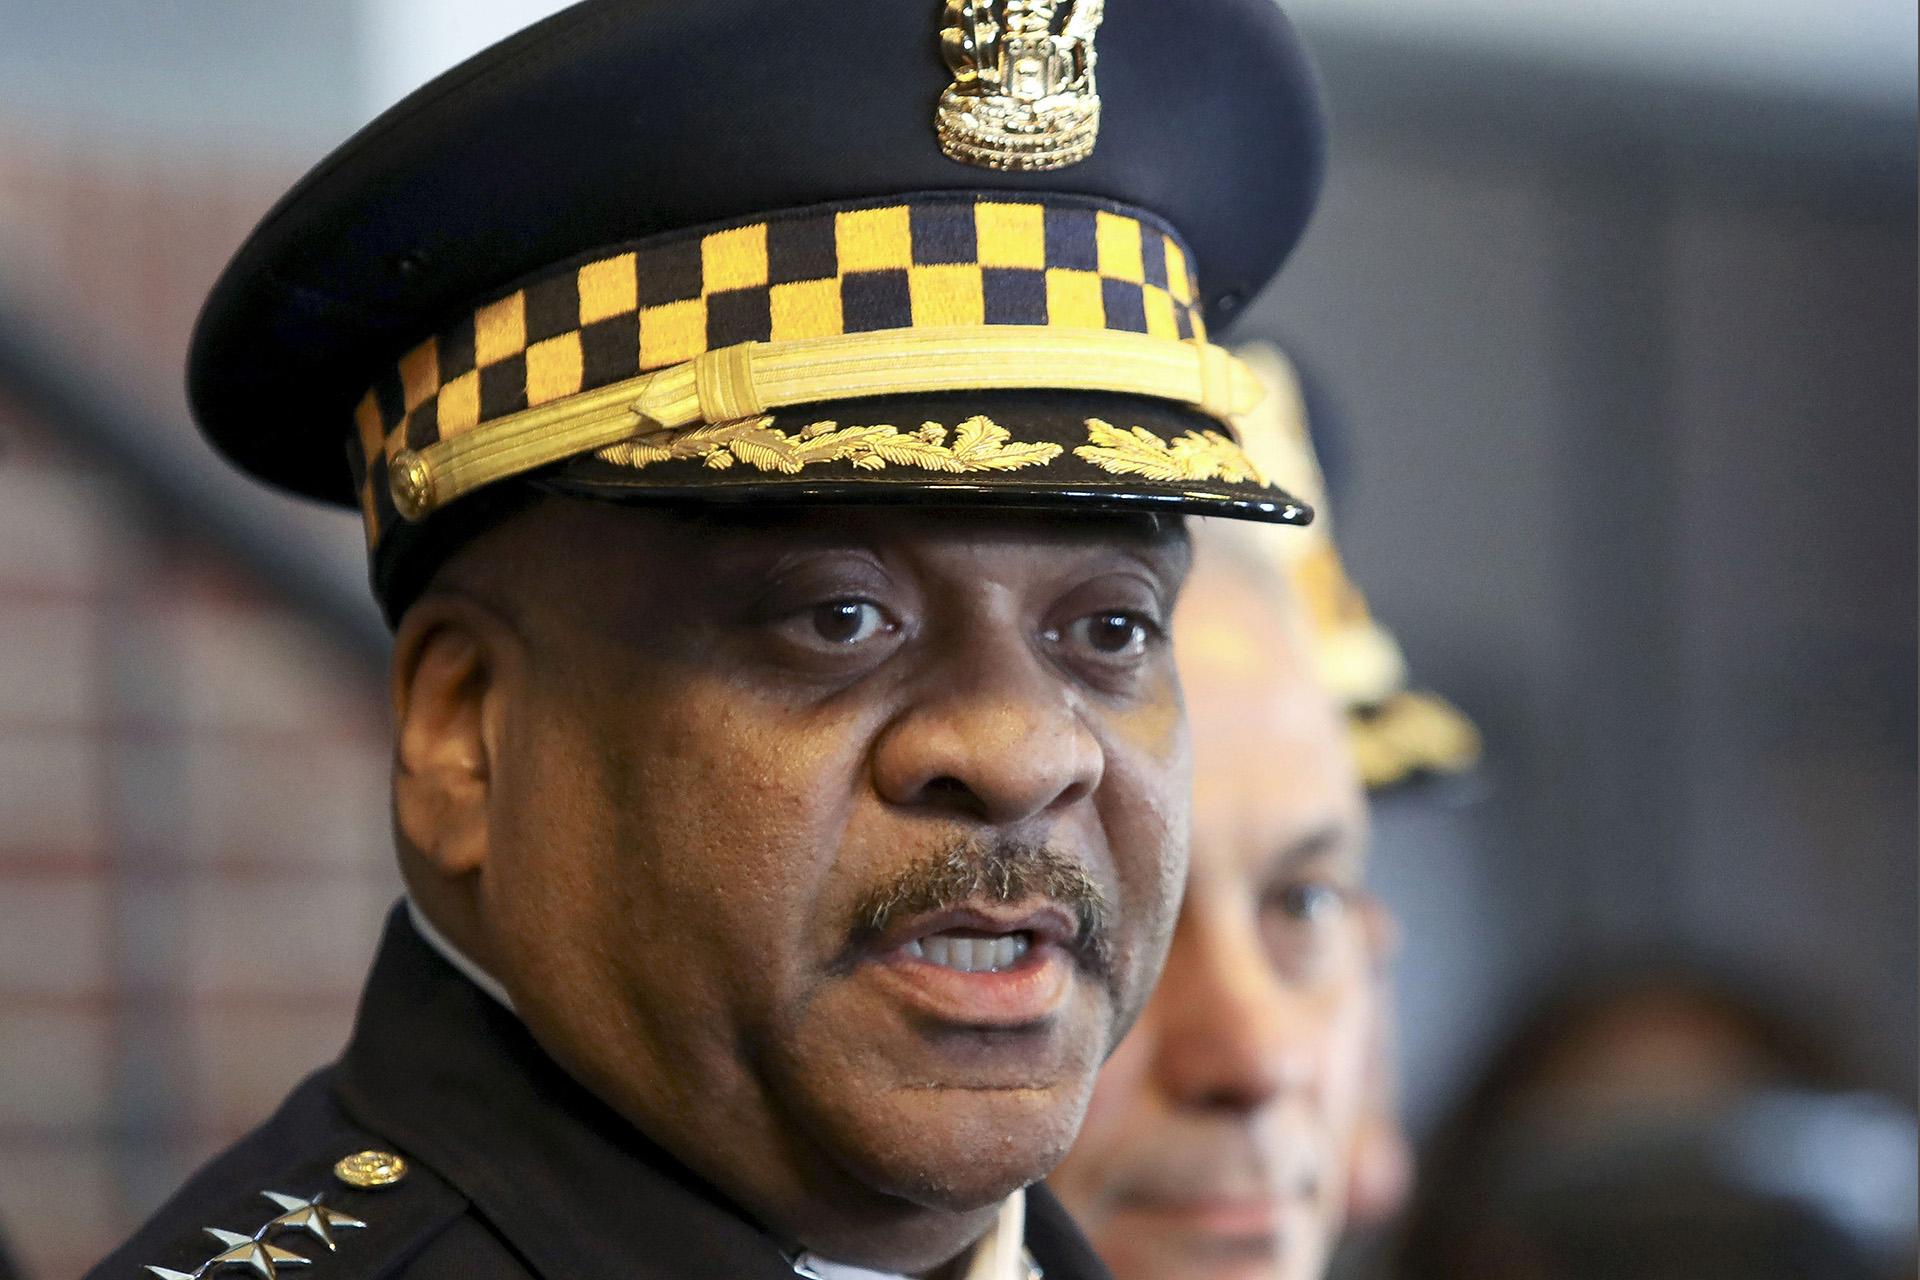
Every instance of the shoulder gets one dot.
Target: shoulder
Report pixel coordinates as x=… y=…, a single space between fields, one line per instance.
x=312 y=1190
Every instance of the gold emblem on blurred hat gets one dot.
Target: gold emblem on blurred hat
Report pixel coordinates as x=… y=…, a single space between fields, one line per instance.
x=368 y=1170
x=1023 y=94
x=1398 y=732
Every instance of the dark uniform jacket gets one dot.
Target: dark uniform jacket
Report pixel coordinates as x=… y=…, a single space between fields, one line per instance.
x=511 y=1168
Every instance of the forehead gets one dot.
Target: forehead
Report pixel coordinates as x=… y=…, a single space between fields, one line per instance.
x=1272 y=764
x=569 y=528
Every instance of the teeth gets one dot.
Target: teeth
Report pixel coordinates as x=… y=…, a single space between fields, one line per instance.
x=971 y=953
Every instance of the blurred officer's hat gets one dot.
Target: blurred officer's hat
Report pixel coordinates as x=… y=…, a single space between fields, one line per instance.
x=1400 y=733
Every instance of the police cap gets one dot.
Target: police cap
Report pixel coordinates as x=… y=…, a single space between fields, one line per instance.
x=780 y=251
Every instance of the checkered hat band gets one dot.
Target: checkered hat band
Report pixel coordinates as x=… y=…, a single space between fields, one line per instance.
x=934 y=260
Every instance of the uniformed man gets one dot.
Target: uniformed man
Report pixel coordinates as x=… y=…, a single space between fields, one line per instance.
x=771 y=423
x=1250 y=1113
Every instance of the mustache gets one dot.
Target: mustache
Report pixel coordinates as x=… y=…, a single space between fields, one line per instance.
x=996 y=871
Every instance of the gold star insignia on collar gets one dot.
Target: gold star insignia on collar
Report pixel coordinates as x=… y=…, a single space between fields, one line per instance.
x=255 y=1255
x=310 y=1216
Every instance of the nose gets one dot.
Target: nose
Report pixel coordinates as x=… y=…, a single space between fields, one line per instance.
x=1232 y=1036
x=995 y=736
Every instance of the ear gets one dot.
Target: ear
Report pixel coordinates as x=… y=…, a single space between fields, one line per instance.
x=448 y=661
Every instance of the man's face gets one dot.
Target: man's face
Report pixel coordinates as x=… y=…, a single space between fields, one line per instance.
x=1218 y=1139
x=837 y=852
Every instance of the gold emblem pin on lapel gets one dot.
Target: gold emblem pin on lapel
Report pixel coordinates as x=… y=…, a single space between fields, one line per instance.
x=369 y=1170
x=1023 y=93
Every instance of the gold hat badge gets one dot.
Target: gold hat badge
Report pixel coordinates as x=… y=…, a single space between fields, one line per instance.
x=1022 y=95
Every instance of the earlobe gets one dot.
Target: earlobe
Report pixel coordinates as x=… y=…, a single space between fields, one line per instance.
x=445 y=664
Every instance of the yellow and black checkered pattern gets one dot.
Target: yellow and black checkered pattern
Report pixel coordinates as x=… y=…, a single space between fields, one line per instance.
x=932 y=260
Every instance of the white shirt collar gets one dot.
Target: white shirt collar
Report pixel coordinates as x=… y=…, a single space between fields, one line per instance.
x=455 y=956
x=1000 y=1254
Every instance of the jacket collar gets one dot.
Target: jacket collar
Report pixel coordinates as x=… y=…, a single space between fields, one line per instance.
x=454 y=1079
x=457 y=1081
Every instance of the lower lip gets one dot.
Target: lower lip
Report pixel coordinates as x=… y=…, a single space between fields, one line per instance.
x=1026 y=994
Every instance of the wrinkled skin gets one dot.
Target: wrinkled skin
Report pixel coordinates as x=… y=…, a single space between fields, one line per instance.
x=649 y=770
x=1223 y=1133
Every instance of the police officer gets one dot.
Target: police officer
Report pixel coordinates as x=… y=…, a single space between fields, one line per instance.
x=771 y=423
x=1249 y=1115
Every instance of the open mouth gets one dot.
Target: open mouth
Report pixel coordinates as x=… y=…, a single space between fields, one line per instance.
x=982 y=964
x=980 y=937
x=967 y=951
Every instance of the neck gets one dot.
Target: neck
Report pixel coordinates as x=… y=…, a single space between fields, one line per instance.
x=997 y=1255
x=456 y=955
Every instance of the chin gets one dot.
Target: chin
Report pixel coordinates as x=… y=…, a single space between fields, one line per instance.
x=947 y=1117
x=958 y=1149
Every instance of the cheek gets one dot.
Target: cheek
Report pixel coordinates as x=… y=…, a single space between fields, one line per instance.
x=1344 y=1065
x=549 y=826
x=737 y=808
x=693 y=828
x=1145 y=807
x=1156 y=726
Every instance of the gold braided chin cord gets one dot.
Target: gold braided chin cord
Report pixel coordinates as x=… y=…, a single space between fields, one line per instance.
x=753 y=378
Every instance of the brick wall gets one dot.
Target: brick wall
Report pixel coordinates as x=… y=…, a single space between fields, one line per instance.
x=194 y=856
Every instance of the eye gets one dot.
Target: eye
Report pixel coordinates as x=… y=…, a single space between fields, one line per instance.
x=848 y=622
x=1306 y=925
x=1310 y=902
x=1116 y=633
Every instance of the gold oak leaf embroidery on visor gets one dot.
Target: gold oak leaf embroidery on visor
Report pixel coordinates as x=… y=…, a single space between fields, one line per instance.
x=1195 y=455
x=979 y=444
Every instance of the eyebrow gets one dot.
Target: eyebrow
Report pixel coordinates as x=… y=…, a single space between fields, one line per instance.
x=1160 y=546
x=1169 y=553
x=1326 y=840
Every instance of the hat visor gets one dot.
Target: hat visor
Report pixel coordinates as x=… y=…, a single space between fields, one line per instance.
x=1027 y=450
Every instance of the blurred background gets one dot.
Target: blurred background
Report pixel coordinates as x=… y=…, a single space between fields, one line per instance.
x=1616 y=303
